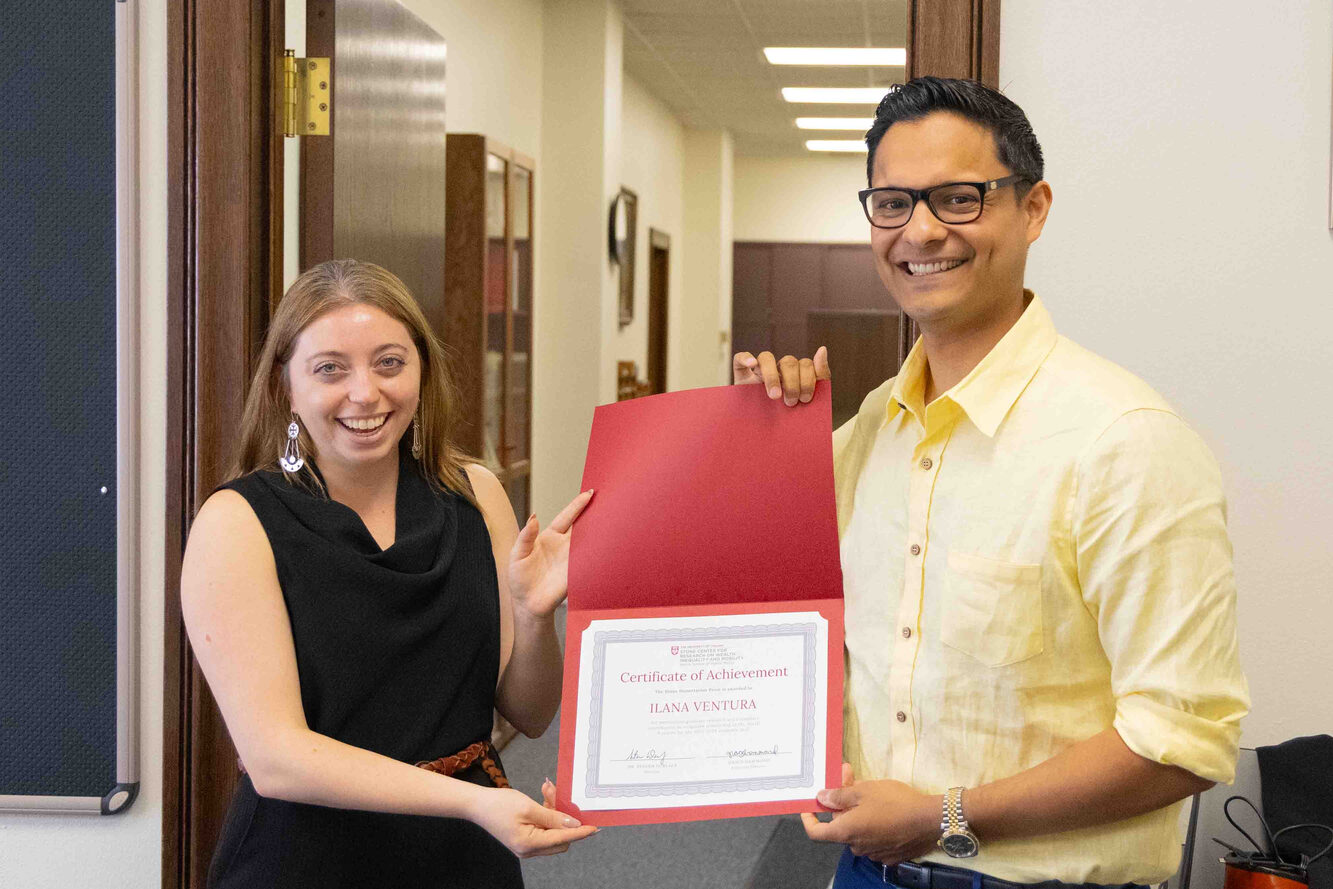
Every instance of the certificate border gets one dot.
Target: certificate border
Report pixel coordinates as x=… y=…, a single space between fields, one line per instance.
x=571 y=717
x=602 y=638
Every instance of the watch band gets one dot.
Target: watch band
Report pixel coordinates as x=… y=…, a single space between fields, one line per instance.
x=952 y=817
x=956 y=837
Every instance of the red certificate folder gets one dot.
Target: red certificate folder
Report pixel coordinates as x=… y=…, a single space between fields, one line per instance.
x=708 y=501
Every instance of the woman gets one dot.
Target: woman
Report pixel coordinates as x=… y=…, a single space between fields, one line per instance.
x=362 y=603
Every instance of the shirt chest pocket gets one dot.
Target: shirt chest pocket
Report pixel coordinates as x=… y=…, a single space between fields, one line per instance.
x=992 y=609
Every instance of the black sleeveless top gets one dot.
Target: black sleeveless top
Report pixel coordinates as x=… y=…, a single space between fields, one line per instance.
x=398 y=652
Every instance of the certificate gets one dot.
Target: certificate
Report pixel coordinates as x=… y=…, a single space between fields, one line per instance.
x=704 y=638
x=701 y=710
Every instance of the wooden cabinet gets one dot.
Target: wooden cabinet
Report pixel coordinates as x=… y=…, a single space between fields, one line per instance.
x=488 y=305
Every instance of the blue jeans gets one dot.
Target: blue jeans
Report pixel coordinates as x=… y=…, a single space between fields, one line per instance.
x=855 y=872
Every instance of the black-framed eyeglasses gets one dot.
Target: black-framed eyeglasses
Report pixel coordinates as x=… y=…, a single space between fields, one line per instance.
x=953 y=203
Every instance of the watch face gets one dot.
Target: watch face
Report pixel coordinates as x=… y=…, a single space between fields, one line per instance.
x=958 y=845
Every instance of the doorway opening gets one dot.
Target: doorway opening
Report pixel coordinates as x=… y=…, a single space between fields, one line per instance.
x=659 y=265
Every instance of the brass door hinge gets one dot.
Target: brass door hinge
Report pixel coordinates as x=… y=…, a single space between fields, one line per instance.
x=307 y=97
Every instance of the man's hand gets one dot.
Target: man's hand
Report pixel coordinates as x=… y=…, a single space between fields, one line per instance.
x=885 y=821
x=788 y=378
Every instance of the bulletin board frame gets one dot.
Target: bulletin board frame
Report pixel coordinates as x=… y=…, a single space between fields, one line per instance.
x=84 y=651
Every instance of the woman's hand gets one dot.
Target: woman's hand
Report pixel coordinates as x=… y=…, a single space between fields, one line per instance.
x=539 y=562
x=527 y=828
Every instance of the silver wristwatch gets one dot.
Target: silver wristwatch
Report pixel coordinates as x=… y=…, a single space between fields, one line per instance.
x=957 y=839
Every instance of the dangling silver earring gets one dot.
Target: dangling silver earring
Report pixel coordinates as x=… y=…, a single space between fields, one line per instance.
x=416 y=437
x=291 y=459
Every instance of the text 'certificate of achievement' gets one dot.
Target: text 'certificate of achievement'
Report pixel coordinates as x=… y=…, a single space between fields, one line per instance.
x=703 y=664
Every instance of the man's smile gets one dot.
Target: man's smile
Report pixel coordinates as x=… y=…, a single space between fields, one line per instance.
x=917 y=269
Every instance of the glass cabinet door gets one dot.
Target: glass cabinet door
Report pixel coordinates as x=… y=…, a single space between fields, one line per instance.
x=517 y=420
x=496 y=288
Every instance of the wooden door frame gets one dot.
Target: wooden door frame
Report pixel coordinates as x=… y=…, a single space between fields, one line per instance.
x=955 y=38
x=951 y=38
x=224 y=233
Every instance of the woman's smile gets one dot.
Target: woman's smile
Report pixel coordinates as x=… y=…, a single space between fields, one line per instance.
x=364 y=427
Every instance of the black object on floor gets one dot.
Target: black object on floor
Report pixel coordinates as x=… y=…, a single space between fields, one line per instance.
x=1297 y=780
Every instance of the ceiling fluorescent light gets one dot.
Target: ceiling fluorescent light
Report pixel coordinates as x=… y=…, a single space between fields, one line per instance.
x=854 y=96
x=892 y=57
x=835 y=145
x=834 y=123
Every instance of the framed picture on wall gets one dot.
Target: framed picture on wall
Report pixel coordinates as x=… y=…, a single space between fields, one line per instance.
x=624 y=226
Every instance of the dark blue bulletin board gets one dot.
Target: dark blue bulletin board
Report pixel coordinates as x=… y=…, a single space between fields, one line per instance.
x=68 y=459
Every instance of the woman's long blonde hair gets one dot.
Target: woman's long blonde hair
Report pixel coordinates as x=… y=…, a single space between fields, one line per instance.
x=319 y=290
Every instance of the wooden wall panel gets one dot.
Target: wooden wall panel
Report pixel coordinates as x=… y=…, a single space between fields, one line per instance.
x=751 y=270
x=848 y=275
x=791 y=298
x=863 y=345
x=465 y=270
x=795 y=287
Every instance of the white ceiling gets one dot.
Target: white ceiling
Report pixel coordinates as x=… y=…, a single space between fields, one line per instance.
x=704 y=59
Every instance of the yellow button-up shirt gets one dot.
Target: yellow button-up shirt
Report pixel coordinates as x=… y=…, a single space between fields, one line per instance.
x=1037 y=555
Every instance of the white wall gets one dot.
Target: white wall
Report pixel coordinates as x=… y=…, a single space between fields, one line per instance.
x=801 y=199
x=652 y=166
x=578 y=173
x=493 y=73
x=700 y=356
x=1188 y=148
x=613 y=125
x=125 y=850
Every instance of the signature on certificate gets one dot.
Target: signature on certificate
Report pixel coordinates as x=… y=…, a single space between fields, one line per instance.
x=650 y=756
x=741 y=754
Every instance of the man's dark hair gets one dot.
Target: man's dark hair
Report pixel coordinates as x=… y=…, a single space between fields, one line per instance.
x=1015 y=143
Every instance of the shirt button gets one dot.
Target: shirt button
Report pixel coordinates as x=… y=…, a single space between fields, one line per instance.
x=925 y=463
x=902 y=717
x=916 y=550
x=907 y=632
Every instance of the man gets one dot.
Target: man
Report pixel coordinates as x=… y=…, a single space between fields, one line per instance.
x=1040 y=626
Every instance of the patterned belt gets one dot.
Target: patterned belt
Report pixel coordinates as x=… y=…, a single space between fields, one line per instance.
x=481 y=751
